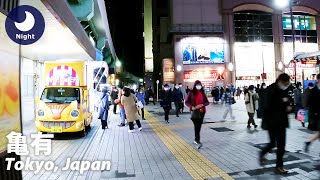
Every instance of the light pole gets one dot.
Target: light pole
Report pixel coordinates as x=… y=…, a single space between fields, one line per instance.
x=282 y=4
x=157 y=90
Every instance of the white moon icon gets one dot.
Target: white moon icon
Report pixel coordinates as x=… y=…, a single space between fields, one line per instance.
x=27 y=24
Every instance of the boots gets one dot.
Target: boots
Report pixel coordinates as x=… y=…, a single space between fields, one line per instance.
x=103 y=124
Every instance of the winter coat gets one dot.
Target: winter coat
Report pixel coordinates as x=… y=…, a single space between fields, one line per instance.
x=130 y=107
x=119 y=100
x=305 y=97
x=177 y=95
x=275 y=113
x=190 y=101
x=251 y=101
x=103 y=107
x=166 y=99
x=297 y=96
x=141 y=97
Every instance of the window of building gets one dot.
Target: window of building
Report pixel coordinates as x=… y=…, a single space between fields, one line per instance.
x=304 y=27
x=251 y=26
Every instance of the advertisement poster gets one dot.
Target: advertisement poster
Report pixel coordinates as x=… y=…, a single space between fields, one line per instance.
x=203 y=53
x=203 y=75
x=168 y=73
x=9 y=88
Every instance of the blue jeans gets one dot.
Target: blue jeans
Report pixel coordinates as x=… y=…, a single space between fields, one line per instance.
x=122 y=116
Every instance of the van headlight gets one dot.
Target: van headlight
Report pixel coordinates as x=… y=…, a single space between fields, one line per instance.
x=74 y=113
x=40 y=113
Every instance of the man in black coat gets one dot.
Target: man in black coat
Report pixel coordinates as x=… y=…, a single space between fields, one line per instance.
x=166 y=100
x=275 y=119
x=314 y=113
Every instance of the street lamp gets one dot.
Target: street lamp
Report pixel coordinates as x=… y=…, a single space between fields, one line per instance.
x=282 y=4
x=179 y=68
x=118 y=64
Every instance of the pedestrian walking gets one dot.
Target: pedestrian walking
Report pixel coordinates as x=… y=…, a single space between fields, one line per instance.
x=238 y=93
x=197 y=102
x=151 y=96
x=297 y=97
x=187 y=90
x=275 y=120
x=184 y=94
x=114 y=96
x=166 y=100
x=104 y=108
x=262 y=100
x=141 y=97
x=221 y=92
x=251 y=101
x=177 y=97
x=314 y=113
x=129 y=103
x=228 y=99
x=121 y=107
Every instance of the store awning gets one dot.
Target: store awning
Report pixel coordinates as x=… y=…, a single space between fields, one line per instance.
x=303 y=57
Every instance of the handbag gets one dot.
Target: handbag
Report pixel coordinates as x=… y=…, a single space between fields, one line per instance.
x=195 y=115
x=139 y=105
x=301 y=115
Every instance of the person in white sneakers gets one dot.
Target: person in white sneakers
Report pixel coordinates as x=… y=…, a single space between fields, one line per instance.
x=128 y=100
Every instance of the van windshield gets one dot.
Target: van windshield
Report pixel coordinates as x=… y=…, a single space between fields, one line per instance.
x=60 y=95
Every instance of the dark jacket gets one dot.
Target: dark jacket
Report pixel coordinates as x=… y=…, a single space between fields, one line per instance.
x=305 y=97
x=177 y=95
x=314 y=99
x=275 y=111
x=262 y=102
x=166 y=99
x=104 y=107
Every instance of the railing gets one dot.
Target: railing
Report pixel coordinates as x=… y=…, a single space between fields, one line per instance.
x=7 y=5
x=186 y=28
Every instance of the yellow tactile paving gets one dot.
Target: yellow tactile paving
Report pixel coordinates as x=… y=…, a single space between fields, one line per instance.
x=197 y=165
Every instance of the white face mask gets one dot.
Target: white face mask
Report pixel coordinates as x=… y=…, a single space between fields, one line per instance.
x=310 y=87
x=180 y=85
x=264 y=87
x=284 y=87
x=177 y=87
x=166 y=89
x=198 y=87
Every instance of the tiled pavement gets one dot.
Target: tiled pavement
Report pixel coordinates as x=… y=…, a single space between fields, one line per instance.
x=160 y=150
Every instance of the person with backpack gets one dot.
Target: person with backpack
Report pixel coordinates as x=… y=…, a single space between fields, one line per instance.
x=104 y=108
x=251 y=101
x=228 y=99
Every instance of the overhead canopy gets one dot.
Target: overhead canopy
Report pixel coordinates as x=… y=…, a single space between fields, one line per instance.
x=302 y=57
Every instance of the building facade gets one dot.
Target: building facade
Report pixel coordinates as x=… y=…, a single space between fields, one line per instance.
x=241 y=42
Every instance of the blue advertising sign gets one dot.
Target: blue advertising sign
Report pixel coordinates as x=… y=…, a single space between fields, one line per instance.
x=203 y=54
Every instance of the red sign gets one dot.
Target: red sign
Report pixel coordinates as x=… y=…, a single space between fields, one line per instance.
x=201 y=75
x=307 y=65
x=254 y=78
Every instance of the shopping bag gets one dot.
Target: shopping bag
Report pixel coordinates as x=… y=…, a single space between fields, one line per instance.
x=151 y=99
x=301 y=115
x=139 y=105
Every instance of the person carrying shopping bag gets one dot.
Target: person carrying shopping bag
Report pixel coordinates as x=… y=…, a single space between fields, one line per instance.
x=129 y=103
x=228 y=99
x=197 y=102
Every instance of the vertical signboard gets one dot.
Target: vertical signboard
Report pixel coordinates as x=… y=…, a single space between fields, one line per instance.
x=9 y=87
x=168 y=70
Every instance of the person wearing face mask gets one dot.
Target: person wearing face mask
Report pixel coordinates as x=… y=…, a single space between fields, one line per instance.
x=197 y=101
x=165 y=103
x=275 y=120
x=141 y=97
x=306 y=95
x=297 y=96
x=177 y=99
x=314 y=113
x=251 y=101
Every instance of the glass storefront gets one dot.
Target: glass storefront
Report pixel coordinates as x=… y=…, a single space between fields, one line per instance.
x=252 y=59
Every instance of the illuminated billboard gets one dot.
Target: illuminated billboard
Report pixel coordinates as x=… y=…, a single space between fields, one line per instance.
x=202 y=50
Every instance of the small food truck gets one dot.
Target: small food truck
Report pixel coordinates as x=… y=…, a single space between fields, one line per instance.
x=64 y=102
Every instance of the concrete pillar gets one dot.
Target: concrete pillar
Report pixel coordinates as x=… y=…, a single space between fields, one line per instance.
x=229 y=37
x=278 y=40
x=318 y=29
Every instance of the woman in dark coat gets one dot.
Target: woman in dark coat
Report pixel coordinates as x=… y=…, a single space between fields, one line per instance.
x=104 y=108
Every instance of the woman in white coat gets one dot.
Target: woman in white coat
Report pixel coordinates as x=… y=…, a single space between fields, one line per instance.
x=251 y=100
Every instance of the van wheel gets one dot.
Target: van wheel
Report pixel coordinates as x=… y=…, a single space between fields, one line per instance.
x=83 y=132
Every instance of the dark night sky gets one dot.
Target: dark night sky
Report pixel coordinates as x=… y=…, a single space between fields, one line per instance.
x=126 y=26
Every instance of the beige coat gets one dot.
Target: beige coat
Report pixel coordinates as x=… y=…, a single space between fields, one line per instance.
x=129 y=104
x=251 y=100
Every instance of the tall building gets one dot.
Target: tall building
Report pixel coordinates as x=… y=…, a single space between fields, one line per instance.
x=241 y=42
